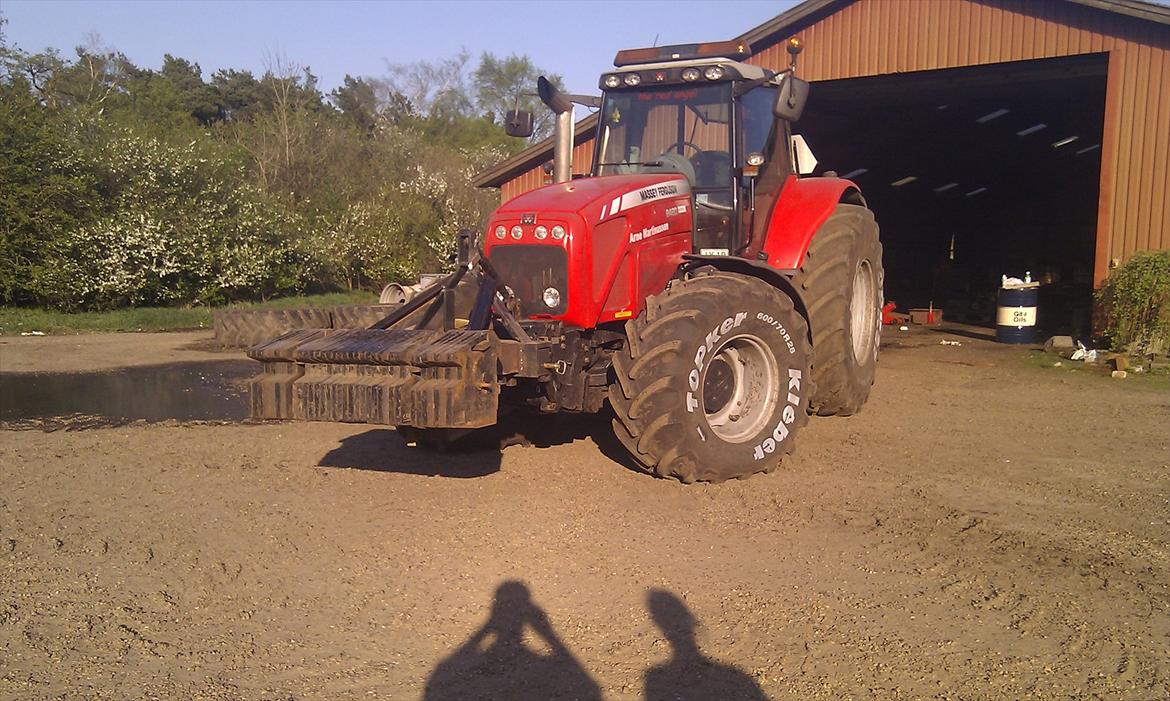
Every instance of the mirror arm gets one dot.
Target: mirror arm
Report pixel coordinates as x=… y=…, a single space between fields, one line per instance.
x=592 y=101
x=744 y=87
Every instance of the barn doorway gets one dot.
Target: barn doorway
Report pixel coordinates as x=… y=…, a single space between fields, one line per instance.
x=974 y=173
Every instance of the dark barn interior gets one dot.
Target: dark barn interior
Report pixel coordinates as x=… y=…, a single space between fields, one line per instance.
x=974 y=173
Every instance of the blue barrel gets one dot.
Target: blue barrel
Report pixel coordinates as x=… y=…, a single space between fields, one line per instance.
x=1015 y=314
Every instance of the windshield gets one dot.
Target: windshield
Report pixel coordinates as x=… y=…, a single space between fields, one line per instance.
x=679 y=128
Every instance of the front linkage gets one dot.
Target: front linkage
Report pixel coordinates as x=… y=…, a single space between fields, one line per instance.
x=426 y=365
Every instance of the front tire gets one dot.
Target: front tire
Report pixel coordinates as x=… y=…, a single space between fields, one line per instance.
x=841 y=281
x=713 y=382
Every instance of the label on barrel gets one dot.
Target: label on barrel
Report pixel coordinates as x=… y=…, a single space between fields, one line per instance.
x=1015 y=316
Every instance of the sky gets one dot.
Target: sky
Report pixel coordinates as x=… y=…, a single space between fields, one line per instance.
x=577 y=40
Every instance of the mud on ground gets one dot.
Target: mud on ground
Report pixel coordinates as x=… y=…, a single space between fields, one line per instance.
x=986 y=528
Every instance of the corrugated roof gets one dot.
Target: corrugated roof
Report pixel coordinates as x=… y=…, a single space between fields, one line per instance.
x=812 y=10
x=803 y=14
x=1134 y=8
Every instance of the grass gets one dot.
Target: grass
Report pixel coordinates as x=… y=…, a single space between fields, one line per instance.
x=17 y=320
x=1158 y=376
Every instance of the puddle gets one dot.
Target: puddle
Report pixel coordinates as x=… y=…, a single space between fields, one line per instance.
x=208 y=391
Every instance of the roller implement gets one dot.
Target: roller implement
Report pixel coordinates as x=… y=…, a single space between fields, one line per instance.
x=695 y=282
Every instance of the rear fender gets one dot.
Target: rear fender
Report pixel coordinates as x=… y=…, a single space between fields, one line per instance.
x=780 y=279
x=803 y=206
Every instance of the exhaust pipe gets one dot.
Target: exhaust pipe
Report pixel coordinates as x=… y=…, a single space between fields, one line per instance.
x=562 y=106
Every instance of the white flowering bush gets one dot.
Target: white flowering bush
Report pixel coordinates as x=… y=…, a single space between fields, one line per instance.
x=124 y=185
x=406 y=224
x=441 y=188
x=181 y=225
x=367 y=246
x=180 y=229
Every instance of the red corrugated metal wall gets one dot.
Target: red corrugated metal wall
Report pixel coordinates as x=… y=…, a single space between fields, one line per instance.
x=532 y=179
x=876 y=37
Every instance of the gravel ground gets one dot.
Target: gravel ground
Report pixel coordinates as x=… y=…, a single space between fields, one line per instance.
x=986 y=528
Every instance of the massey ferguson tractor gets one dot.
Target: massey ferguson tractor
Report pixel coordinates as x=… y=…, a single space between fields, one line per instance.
x=694 y=282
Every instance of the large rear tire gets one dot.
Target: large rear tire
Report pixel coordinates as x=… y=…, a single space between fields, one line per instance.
x=841 y=281
x=712 y=383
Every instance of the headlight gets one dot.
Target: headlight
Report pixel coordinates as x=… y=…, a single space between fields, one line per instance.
x=691 y=74
x=501 y=232
x=552 y=297
x=612 y=81
x=517 y=232
x=633 y=79
x=713 y=72
x=558 y=232
x=541 y=233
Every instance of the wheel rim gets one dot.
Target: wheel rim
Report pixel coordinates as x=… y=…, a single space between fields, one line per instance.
x=863 y=311
x=740 y=388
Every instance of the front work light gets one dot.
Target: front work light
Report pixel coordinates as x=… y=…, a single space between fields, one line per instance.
x=633 y=79
x=713 y=72
x=552 y=297
x=691 y=74
x=612 y=81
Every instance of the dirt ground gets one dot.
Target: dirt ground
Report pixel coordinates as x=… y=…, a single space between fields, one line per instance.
x=985 y=529
x=103 y=351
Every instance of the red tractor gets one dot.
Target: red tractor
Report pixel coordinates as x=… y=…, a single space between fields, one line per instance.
x=693 y=282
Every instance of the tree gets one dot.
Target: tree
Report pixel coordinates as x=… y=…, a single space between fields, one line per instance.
x=196 y=97
x=357 y=101
x=45 y=188
x=92 y=83
x=434 y=89
x=283 y=138
x=239 y=93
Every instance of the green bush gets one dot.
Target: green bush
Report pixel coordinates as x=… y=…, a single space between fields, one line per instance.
x=127 y=187
x=46 y=189
x=1134 y=303
x=181 y=229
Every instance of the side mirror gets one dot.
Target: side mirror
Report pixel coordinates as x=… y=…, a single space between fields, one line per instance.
x=519 y=123
x=791 y=98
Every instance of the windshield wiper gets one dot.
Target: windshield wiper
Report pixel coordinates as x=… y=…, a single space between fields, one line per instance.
x=652 y=164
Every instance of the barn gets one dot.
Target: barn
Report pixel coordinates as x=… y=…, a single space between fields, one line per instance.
x=990 y=137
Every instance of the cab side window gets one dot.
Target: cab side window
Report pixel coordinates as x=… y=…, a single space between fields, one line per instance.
x=757 y=119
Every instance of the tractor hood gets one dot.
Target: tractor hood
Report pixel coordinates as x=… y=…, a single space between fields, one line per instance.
x=589 y=251
x=596 y=199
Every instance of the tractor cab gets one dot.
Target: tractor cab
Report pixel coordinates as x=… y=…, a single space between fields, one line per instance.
x=723 y=124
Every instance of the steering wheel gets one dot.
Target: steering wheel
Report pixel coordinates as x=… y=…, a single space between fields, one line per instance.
x=679 y=146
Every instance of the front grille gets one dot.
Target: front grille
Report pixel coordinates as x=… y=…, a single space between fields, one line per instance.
x=531 y=269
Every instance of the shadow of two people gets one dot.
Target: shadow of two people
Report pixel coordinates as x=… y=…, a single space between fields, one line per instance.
x=496 y=663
